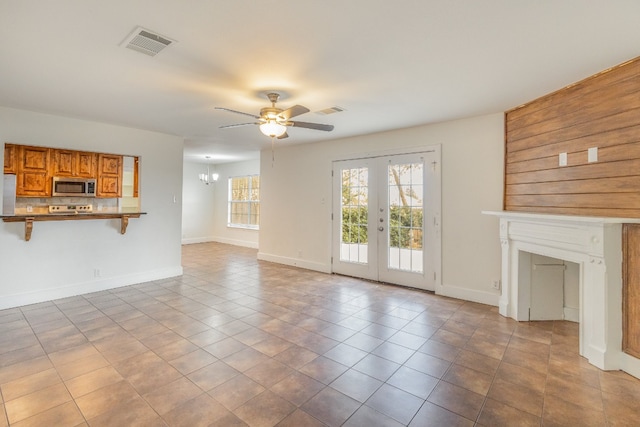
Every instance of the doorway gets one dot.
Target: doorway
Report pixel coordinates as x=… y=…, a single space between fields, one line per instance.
x=386 y=218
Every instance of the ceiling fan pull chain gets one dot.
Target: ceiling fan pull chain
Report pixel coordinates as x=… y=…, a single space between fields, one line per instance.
x=273 y=154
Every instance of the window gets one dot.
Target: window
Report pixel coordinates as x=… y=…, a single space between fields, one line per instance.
x=244 y=202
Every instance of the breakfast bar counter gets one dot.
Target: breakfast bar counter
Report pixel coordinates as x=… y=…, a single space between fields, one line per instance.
x=30 y=218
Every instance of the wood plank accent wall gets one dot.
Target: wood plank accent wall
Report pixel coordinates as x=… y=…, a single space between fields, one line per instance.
x=601 y=111
x=631 y=289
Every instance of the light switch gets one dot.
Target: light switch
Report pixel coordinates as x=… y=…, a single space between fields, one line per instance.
x=562 y=159
x=592 y=155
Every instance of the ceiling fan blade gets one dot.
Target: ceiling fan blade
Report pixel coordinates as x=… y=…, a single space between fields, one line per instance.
x=296 y=110
x=237 y=112
x=238 y=125
x=316 y=126
x=283 y=136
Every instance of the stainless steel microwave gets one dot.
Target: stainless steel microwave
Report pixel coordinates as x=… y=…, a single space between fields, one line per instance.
x=73 y=187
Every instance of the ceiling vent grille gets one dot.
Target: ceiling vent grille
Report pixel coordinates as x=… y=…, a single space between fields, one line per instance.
x=330 y=110
x=147 y=42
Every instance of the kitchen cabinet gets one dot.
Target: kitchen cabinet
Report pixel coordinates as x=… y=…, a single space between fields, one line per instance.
x=35 y=167
x=109 y=175
x=32 y=177
x=136 y=171
x=74 y=163
x=10 y=159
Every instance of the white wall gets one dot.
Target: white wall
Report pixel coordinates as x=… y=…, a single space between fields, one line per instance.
x=296 y=200
x=197 y=205
x=205 y=206
x=62 y=257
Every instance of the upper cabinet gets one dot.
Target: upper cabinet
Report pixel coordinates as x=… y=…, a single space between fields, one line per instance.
x=74 y=163
x=10 y=158
x=109 y=175
x=35 y=167
x=33 y=171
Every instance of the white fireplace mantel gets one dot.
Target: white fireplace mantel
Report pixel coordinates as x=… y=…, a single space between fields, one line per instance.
x=595 y=244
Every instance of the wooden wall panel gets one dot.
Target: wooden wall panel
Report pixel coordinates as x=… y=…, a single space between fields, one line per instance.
x=631 y=289
x=601 y=111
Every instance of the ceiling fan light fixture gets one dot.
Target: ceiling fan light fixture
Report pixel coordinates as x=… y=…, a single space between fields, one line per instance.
x=272 y=128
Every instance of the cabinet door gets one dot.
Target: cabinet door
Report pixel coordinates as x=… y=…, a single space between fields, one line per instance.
x=63 y=162
x=86 y=165
x=74 y=163
x=109 y=176
x=33 y=172
x=10 y=159
x=136 y=179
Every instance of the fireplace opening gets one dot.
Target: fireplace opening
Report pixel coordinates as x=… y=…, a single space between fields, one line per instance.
x=554 y=287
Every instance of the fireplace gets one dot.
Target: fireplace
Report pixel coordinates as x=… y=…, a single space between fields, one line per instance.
x=595 y=245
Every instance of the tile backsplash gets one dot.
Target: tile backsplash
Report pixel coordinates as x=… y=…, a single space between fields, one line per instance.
x=41 y=205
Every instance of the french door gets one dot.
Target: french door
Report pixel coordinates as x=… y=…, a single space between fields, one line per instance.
x=386 y=218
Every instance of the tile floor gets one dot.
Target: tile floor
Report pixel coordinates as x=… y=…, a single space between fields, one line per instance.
x=236 y=342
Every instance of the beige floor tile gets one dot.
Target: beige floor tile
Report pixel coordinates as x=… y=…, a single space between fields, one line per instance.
x=171 y=395
x=557 y=412
x=193 y=361
x=36 y=402
x=331 y=407
x=92 y=381
x=236 y=391
x=132 y=412
x=456 y=399
x=297 y=388
x=264 y=410
x=286 y=346
x=469 y=379
x=323 y=369
x=81 y=366
x=300 y=418
x=22 y=369
x=106 y=399
x=495 y=413
x=21 y=354
x=269 y=372
x=395 y=403
x=199 y=411
x=211 y=376
x=66 y=414
x=29 y=384
x=517 y=396
x=430 y=414
x=296 y=357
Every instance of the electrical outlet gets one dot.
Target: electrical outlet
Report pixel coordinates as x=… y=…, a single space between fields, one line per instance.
x=96 y=272
x=495 y=284
x=562 y=159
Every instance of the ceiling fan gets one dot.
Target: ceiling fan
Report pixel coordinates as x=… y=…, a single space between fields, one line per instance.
x=274 y=121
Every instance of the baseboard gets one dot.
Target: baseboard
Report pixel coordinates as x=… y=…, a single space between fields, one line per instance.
x=42 y=295
x=469 y=295
x=194 y=240
x=572 y=314
x=630 y=364
x=234 y=242
x=295 y=262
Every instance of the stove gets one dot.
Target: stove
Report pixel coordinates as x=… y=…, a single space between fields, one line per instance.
x=70 y=209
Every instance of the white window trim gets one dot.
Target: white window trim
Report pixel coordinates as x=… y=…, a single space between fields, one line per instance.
x=229 y=200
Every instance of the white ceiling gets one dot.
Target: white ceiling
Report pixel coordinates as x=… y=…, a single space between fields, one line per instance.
x=389 y=64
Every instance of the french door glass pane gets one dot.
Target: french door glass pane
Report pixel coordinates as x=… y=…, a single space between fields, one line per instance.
x=405 y=194
x=355 y=212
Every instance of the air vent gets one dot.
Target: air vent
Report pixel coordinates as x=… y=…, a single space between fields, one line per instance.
x=147 y=42
x=330 y=110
